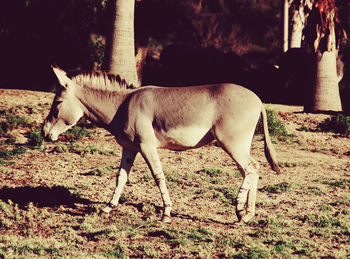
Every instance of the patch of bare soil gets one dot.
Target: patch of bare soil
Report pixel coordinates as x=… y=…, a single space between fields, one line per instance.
x=60 y=188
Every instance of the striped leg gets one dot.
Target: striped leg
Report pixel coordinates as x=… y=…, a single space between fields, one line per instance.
x=245 y=208
x=150 y=154
x=128 y=158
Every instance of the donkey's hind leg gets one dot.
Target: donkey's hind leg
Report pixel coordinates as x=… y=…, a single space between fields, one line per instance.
x=239 y=152
x=246 y=198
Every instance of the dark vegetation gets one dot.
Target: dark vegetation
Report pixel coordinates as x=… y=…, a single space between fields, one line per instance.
x=35 y=33
x=337 y=123
x=232 y=41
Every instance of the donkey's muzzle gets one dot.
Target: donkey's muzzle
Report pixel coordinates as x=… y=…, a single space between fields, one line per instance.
x=49 y=137
x=45 y=132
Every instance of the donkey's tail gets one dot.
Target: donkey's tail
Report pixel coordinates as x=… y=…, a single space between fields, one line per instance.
x=270 y=152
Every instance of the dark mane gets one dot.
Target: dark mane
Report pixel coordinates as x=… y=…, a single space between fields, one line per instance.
x=99 y=80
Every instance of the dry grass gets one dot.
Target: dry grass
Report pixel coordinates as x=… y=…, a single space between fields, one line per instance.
x=50 y=197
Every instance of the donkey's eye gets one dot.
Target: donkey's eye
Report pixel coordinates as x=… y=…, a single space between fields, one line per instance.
x=57 y=102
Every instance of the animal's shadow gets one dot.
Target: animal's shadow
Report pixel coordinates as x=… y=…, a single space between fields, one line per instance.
x=42 y=196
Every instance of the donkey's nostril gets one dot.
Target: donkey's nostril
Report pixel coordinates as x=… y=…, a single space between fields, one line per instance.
x=50 y=137
x=46 y=138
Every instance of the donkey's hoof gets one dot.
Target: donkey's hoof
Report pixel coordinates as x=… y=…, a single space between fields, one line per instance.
x=103 y=213
x=107 y=209
x=166 y=219
x=240 y=214
x=244 y=216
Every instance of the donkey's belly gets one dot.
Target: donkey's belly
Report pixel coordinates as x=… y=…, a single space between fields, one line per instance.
x=183 y=138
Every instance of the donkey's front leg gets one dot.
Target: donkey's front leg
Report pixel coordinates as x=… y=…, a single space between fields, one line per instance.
x=150 y=154
x=128 y=158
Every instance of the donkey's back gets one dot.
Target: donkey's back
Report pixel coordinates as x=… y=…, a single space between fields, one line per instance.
x=182 y=118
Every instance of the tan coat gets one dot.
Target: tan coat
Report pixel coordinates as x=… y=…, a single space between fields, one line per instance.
x=148 y=118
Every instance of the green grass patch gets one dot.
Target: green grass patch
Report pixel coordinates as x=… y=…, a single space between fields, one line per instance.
x=324 y=222
x=8 y=154
x=76 y=132
x=212 y=172
x=226 y=195
x=293 y=164
x=35 y=138
x=277 y=129
x=255 y=253
x=235 y=242
x=200 y=234
x=19 y=150
x=5 y=154
x=83 y=150
x=326 y=225
x=341 y=183
x=314 y=190
x=275 y=124
x=11 y=121
x=277 y=188
x=284 y=248
x=218 y=175
x=91 y=149
x=79 y=131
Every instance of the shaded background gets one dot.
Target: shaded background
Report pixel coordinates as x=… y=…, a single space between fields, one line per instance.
x=70 y=33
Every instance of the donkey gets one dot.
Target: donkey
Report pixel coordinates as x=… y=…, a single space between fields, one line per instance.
x=147 y=118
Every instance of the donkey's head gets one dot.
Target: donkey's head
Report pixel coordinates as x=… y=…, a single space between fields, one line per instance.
x=66 y=109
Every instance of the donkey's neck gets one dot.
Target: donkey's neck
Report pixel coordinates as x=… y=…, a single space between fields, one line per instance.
x=100 y=105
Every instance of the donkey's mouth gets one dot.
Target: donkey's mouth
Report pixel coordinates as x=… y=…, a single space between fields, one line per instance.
x=48 y=132
x=48 y=136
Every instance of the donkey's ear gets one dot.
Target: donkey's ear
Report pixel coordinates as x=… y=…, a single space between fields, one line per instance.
x=62 y=77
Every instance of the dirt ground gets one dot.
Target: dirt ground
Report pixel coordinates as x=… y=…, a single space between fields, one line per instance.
x=316 y=174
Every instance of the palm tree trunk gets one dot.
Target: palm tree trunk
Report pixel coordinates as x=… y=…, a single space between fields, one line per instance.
x=285 y=12
x=295 y=37
x=298 y=24
x=299 y=13
x=326 y=97
x=140 y=62
x=120 y=49
x=323 y=20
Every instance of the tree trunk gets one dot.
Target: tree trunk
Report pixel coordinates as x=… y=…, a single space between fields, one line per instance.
x=326 y=97
x=298 y=24
x=323 y=20
x=285 y=25
x=140 y=62
x=120 y=49
x=299 y=12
